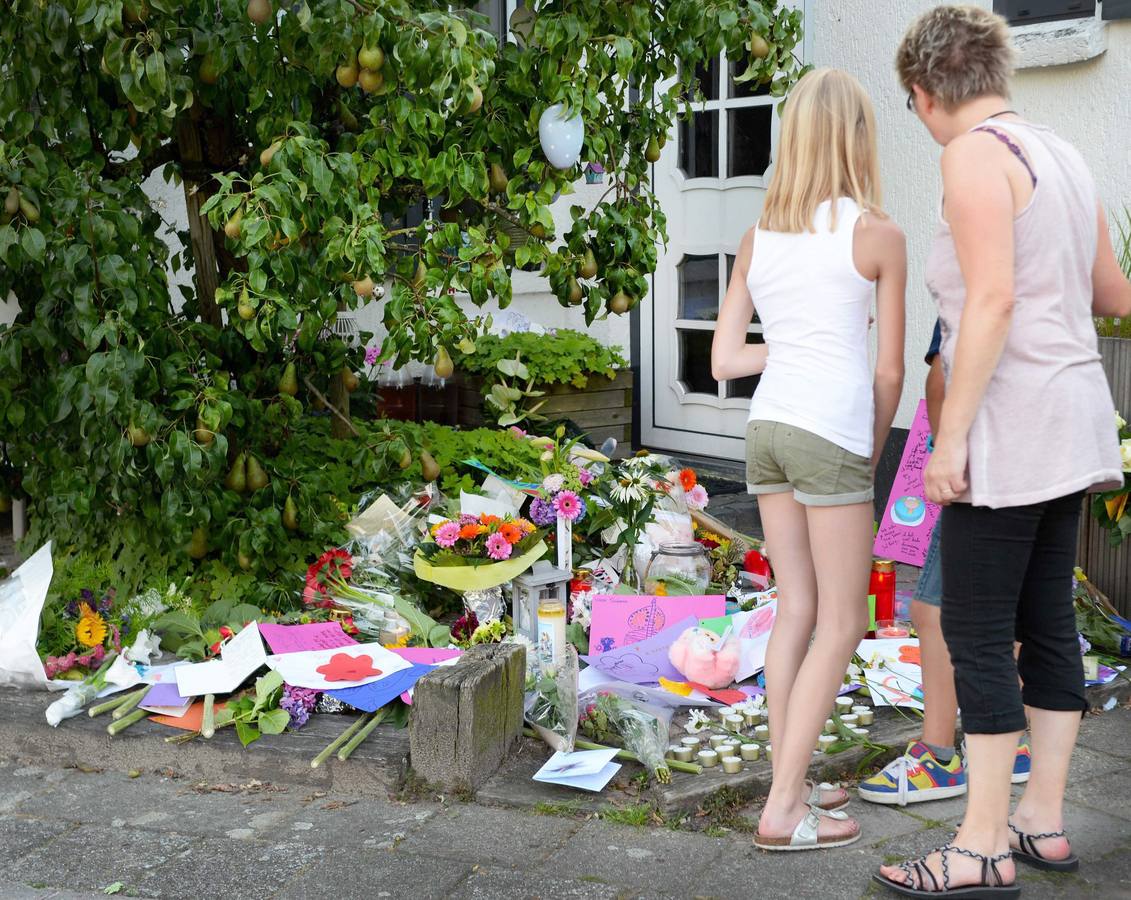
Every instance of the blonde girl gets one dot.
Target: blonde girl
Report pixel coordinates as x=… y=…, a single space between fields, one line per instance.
x=819 y=257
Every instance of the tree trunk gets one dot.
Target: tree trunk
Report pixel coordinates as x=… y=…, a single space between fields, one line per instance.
x=205 y=266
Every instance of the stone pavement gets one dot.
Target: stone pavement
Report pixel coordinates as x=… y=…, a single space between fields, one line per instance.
x=71 y=833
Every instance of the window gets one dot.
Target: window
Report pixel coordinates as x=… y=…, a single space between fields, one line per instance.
x=701 y=290
x=499 y=12
x=1025 y=12
x=729 y=133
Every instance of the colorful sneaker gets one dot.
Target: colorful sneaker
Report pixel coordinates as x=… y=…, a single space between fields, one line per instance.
x=1022 y=762
x=915 y=777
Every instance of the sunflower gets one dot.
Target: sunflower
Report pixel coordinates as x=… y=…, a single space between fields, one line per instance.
x=91 y=628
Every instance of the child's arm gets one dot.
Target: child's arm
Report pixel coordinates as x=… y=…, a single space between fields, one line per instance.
x=731 y=356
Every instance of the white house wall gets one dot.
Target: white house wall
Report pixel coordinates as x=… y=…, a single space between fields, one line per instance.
x=1086 y=102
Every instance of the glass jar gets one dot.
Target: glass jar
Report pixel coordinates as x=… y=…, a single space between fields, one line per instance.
x=678 y=568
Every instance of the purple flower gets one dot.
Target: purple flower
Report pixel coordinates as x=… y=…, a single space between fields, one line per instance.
x=72 y=609
x=466 y=519
x=585 y=476
x=498 y=547
x=105 y=604
x=87 y=595
x=371 y=354
x=299 y=702
x=542 y=512
x=567 y=505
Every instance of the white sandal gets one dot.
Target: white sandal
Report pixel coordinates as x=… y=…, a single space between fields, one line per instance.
x=805 y=835
x=815 y=796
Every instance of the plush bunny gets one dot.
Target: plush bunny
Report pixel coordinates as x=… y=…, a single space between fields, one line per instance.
x=701 y=656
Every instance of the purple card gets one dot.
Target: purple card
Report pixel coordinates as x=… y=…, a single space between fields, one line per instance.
x=644 y=662
x=164 y=693
x=629 y=619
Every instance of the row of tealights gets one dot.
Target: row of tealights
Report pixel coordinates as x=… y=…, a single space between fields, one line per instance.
x=731 y=752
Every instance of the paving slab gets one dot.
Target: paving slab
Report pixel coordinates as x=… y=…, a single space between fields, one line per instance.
x=501 y=884
x=672 y=862
x=20 y=835
x=377 y=874
x=1110 y=794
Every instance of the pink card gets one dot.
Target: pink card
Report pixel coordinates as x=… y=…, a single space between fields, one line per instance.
x=905 y=530
x=628 y=619
x=427 y=656
x=296 y=638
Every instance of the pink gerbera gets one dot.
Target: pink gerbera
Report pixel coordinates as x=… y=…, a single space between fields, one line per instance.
x=447 y=534
x=498 y=547
x=567 y=505
x=697 y=497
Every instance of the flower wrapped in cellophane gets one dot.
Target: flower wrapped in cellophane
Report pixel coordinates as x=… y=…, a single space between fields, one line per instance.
x=473 y=553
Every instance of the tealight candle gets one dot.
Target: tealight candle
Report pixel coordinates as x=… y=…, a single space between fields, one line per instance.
x=750 y=751
x=866 y=716
x=732 y=743
x=732 y=765
x=673 y=750
x=825 y=741
x=735 y=722
x=717 y=740
x=843 y=704
x=769 y=752
x=762 y=732
x=708 y=758
x=830 y=726
x=684 y=754
x=751 y=718
x=860 y=732
x=690 y=741
x=851 y=720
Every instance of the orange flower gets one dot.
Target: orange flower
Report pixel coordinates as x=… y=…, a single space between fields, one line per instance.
x=469 y=532
x=488 y=519
x=511 y=532
x=687 y=479
x=526 y=525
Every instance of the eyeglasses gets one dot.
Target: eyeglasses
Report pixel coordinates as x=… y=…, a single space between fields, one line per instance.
x=911 y=100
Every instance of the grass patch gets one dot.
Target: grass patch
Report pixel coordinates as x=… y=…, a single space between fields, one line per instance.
x=593 y=879
x=721 y=810
x=567 y=810
x=638 y=816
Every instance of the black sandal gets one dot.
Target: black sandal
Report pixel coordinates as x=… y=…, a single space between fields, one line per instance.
x=915 y=869
x=1029 y=854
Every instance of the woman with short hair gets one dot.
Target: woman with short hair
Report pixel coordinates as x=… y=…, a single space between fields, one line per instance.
x=1020 y=263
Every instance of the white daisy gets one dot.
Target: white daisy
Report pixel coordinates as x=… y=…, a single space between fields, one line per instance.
x=698 y=721
x=631 y=487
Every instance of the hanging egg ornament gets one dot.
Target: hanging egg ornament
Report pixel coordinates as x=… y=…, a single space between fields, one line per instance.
x=561 y=138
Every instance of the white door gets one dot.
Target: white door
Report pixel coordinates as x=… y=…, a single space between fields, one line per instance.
x=710 y=182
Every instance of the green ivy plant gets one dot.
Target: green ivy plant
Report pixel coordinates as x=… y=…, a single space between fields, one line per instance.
x=300 y=133
x=562 y=356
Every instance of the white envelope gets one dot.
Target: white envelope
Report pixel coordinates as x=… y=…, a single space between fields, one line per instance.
x=588 y=770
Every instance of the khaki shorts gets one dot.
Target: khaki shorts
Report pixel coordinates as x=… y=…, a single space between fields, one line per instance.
x=782 y=458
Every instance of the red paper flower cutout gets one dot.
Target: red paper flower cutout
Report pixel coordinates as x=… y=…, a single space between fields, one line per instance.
x=909 y=653
x=343 y=667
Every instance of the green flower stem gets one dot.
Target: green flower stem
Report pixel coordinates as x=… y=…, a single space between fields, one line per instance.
x=355 y=741
x=107 y=705
x=129 y=702
x=121 y=725
x=208 y=722
x=338 y=741
x=674 y=764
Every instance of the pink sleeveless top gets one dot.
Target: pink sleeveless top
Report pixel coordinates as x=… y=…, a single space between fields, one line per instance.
x=1046 y=426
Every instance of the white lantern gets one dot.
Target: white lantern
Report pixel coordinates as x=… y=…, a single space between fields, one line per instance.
x=543 y=582
x=561 y=137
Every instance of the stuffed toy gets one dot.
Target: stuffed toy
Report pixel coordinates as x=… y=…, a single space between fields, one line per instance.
x=702 y=656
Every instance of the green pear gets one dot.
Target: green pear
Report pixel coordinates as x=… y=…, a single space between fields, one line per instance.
x=290 y=514
x=256 y=478
x=497 y=176
x=574 y=291
x=237 y=475
x=139 y=437
x=244 y=560
x=444 y=366
x=652 y=151
x=12 y=201
x=198 y=544
x=288 y=384
x=588 y=264
x=202 y=432
x=429 y=467
x=371 y=58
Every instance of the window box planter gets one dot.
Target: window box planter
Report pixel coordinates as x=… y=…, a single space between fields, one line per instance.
x=602 y=409
x=1109 y=568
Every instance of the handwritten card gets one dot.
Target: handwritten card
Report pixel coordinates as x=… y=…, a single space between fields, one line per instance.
x=239 y=658
x=905 y=531
x=296 y=638
x=621 y=620
x=892 y=671
x=644 y=662
x=301 y=669
x=588 y=770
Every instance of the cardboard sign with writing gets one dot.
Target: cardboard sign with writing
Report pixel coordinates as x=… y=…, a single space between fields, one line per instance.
x=909 y=518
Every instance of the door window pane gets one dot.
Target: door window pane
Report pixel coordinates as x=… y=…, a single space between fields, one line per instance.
x=699 y=145
x=746 y=89
x=695 y=362
x=707 y=77
x=748 y=152
x=744 y=387
x=699 y=288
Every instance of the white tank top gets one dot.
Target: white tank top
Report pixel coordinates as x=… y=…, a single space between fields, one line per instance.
x=814 y=307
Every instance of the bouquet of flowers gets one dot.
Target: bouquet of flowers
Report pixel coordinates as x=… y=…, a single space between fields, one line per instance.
x=1111 y=508
x=607 y=716
x=726 y=558
x=478 y=552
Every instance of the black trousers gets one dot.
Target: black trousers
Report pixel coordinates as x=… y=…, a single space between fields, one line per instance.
x=1007 y=574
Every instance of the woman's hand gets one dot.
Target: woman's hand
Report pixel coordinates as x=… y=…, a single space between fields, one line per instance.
x=945 y=478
